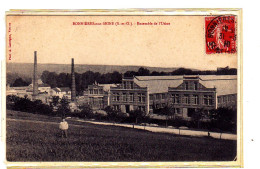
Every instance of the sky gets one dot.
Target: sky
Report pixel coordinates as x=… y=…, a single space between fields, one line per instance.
x=180 y=43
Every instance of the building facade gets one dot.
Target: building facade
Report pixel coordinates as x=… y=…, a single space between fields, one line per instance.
x=185 y=93
x=191 y=95
x=97 y=96
x=129 y=96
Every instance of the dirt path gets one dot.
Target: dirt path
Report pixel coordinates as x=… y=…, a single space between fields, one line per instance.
x=148 y=128
x=226 y=136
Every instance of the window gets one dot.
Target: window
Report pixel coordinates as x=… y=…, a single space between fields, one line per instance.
x=142 y=108
x=196 y=99
x=219 y=99
x=124 y=97
x=95 y=91
x=124 y=84
x=176 y=110
x=175 y=98
x=100 y=91
x=143 y=97
x=163 y=96
x=131 y=97
x=131 y=85
x=100 y=100
x=116 y=107
x=186 y=86
x=186 y=99
x=90 y=91
x=151 y=97
x=224 y=99
x=208 y=100
x=157 y=96
x=139 y=97
x=195 y=85
x=117 y=96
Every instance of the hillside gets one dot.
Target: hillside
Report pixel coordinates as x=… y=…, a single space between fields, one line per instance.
x=26 y=69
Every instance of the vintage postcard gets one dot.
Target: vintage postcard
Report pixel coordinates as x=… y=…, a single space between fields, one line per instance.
x=123 y=88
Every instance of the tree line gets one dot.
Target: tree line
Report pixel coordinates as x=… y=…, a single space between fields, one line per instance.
x=89 y=77
x=182 y=71
x=218 y=120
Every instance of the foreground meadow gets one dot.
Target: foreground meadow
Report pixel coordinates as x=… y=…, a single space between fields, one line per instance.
x=32 y=137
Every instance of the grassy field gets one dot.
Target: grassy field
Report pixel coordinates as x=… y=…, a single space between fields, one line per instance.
x=33 y=137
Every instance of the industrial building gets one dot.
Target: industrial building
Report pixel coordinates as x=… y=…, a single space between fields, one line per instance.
x=97 y=96
x=184 y=93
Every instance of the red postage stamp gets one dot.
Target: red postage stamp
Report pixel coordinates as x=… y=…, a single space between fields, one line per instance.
x=220 y=34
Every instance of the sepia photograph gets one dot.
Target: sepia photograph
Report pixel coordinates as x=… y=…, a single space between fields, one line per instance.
x=124 y=86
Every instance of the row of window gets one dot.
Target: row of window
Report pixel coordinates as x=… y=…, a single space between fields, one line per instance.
x=128 y=85
x=96 y=100
x=129 y=97
x=187 y=99
x=158 y=96
x=226 y=99
x=158 y=106
x=117 y=107
x=95 y=91
x=194 y=86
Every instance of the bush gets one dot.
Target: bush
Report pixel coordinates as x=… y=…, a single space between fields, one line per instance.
x=224 y=119
x=115 y=115
x=86 y=112
x=179 y=121
x=137 y=116
x=26 y=105
x=63 y=108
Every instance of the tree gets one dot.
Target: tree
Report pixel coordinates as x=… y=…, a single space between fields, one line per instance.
x=39 y=107
x=111 y=113
x=86 y=111
x=137 y=115
x=44 y=76
x=130 y=74
x=224 y=119
x=143 y=72
x=55 y=100
x=167 y=111
x=11 y=100
x=115 y=115
x=154 y=73
x=198 y=115
x=24 y=104
x=182 y=71
x=20 y=82
x=50 y=78
x=63 y=108
x=116 y=77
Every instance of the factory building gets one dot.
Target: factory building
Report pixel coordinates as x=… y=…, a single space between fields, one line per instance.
x=97 y=96
x=184 y=93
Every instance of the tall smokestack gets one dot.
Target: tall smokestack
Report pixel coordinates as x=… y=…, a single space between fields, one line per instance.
x=35 y=80
x=73 y=85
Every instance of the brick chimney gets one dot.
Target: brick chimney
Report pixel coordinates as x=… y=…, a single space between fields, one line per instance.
x=73 y=85
x=35 y=79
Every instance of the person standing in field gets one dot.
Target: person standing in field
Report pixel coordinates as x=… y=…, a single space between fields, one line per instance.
x=64 y=126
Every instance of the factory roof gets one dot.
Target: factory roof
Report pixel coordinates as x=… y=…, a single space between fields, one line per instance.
x=224 y=84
